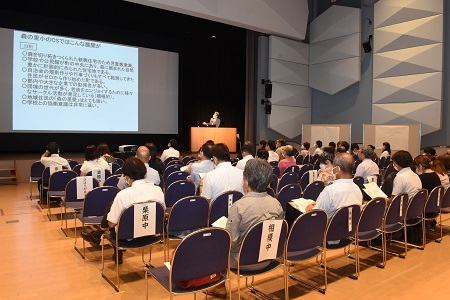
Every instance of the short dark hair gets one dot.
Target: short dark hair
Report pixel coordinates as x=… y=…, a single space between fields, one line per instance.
x=344 y=144
x=91 y=153
x=272 y=144
x=206 y=149
x=221 y=152
x=402 y=158
x=134 y=168
x=53 y=148
x=153 y=151
x=247 y=148
x=354 y=146
x=209 y=142
x=327 y=154
x=429 y=150
x=258 y=173
x=263 y=154
x=173 y=143
x=263 y=143
x=340 y=149
x=319 y=143
x=332 y=144
x=103 y=149
x=306 y=145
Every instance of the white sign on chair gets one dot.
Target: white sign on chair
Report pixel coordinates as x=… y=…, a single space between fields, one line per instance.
x=270 y=236
x=144 y=219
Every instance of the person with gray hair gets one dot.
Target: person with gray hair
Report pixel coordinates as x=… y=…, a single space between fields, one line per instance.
x=367 y=167
x=343 y=192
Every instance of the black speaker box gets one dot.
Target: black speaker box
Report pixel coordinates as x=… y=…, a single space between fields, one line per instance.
x=367 y=47
x=268 y=90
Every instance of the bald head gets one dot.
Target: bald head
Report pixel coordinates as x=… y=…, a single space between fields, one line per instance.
x=289 y=151
x=143 y=153
x=345 y=163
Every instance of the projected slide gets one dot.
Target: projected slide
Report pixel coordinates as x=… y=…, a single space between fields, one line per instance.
x=68 y=84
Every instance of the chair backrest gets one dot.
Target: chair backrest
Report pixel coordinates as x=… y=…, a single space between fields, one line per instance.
x=371 y=218
x=387 y=162
x=114 y=167
x=170 y=169
x=188 y=213
x=396 y=210
x=98 y=200
x=343 y=224
x=274 y=163
x=276 y=171
x=305 y=169
x=119 y=161
x=316 y=165
x=299 y=160
x=36 y=170
x=357 y=162
x=271 y=192
x=313 y=190
x=304 y=181
x=127 y=227
x=314 y=158
x=273 y=182
x=72 y=163
x=72 y=195
x=175 y=176
x=187 y=159
x=417 y=204
x=177 y=190
x=59 y=180
x=446 y=199
x=359 y=181
x=220 y=206
x=251 y=242
x=382 y=162
x=169 y=159
x=292 y=168
x=289 y=192
x=307 y=232
x=287 y=178
x=434 y=201
x=234 y=160
x=119 y=171
x=77 y=169
x=45 y=176
x=112 y=180
x=307 y=159
x=175 y=162
x=389 y=170
x=201 y=253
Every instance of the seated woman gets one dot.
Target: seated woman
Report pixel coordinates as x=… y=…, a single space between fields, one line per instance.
x=305 y=149
x=427 y=176
x=93 y=161
x=439 y=168
x=325 y=172
x=103 y=151
x=386 y=151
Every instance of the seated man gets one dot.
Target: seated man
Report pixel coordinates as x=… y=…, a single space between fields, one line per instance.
x=367 y=167
x=289 y=160
x=139 y=190
x=270 y=146
x=343 y=192
x=203 y=166
x=143 y=154
x=171 y=151
x=154 y=163
x=247 y=154
x=224 y=177
x=51 y=158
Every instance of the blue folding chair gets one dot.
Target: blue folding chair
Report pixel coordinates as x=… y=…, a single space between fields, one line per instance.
x=299 y=160
x=169 y=159
x=201 y=253
x=271 y=192
x=127 y=237
x=276 y=171
x=274 y=163
x=175 y=176
x=307 y=159
x=433 y=208
x=177 y=190
x=313 y=190
x=114 y=167
x=293 y=168
x=35 y=174
x=304 y=181
x=119 y=161
x=305 y=241
x=72 y=200
x=305 y=169
x=112 y=180
x=359 y=181
x=187 y=214
x=314 y=158
x=287 y=178
x=119 y=171
x=169 y=170
x=72 y=163
x=57 y=187
x=95 y=204
x=175 y=162
x=220 y=206
x=249 y=254
x=287 y=193
x=77 y=169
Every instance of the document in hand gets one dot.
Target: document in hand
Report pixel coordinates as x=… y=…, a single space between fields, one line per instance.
x=373 y=190
x=221 y=223
x=300 y=204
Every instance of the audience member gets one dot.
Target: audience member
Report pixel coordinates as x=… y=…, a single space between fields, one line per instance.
x=305 y=149
x=367 y=167
x=154 y=162
x=281 y=143
x=354 y=151
x=271 y=146
x=262 y=154
x=332 y=144
x=171 y=151
x=139 y=190
x=386 y=151
x=247 y=154
x=318 y=147
x=246 y=143
x=93 y=161
x=325 y=172
x=406 y=181
x=439 y=168
x=203 y=166
x=343 y=192
x=288 y=152
x=103 y=151
x=429 y=151
x=51 y=157
x=152 y=176
x=262 y=144
x=343 y=144
x=427 y=176
x=224 y=177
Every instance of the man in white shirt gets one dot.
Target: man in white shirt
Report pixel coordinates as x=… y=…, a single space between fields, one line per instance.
x=270 y=147
x=142 y=153
x=224 y=177
x=51 y=158
x=139 y=190
x=406 y=181
x=247 y=152
x=343 y=192
x=203 y=166
x=318 y=146
x=171 y=151
x=367 y=167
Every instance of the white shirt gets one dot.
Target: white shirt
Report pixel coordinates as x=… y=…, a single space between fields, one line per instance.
x=95 y=164
x=384 y=154
x=223 y=178
x=343 y=192
x=318 y=151
x=367 y=168
x=273 y=156
x=55 y=160
x=203 y=166
x=241 y=163
x=406 y=181
x=140 y=191
x=152 y=177
x=170 y=152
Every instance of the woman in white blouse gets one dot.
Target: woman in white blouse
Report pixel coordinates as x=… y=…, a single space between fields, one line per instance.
x=386 y=150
